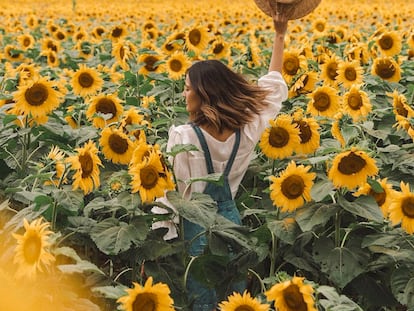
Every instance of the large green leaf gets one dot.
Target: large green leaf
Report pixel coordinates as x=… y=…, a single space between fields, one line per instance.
x=341 y=264
x=364 y=206
x=286 y=229
x=112 y=236
x=313 y=215
x=400 y=280
x=200 y=209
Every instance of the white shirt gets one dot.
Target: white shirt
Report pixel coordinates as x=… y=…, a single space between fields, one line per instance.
x=192 y=163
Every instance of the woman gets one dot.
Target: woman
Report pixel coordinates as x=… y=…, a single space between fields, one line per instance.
x=227 y=118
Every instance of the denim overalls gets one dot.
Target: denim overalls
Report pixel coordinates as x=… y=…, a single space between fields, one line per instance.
x=205 y=298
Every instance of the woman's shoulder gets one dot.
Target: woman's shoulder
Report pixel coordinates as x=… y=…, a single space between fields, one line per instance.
x=180 y=134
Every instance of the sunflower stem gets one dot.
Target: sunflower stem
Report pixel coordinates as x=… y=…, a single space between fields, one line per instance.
x=187 y=270
x=54 y=216
x=337 y=229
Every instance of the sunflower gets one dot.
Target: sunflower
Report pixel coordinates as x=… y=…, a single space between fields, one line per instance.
x=174 y=43
x=85 y=48
x=37 y=97
x=31 y=253
x=26 y=41
x=324 y=101
x=359 y=52
x=148 y=176
x=293 y=63
x=389 y=43
x=151 y=63
x=386 y=68
x=177 y=65
x=51 y=44
x=27 y=72
x=148 y=297
x=197 y=39
x=292 y=188
x=57 y=156
x=383 y=198
x=329 y=69
x=85 y=163
x=405 y=124
x=309 y=134
x=401 y=209
x=60 y=35
x=305 y=83
x=123 y=51
x=349 y=73
x=13 y=53
x=118 y=32
x=98 y=32
x=281 y=138
x=220 y=49
x=238 y=302
x=356 y=103
x=292 y=295
x=319 y=27
x=52 y=58
x=116 y=146
x=131 y=124
x=104 y=109
x=400 y=105
x=351 y=169
x=86 y=81
x=336 y=129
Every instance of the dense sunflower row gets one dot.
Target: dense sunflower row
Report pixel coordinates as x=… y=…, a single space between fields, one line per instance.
x=88 y=92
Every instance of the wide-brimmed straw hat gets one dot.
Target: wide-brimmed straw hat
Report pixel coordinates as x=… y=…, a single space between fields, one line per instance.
x=292 y=9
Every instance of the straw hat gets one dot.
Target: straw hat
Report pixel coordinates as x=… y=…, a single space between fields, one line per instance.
x=293 y=9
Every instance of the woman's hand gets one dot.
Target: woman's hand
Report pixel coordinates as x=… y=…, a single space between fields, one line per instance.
x=280 y=20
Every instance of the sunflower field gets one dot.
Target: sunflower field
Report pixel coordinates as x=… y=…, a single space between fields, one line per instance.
x=88 y=200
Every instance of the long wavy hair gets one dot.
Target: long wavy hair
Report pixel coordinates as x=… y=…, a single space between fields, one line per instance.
x=228 y=100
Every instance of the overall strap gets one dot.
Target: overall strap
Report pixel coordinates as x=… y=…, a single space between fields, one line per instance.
x=206 y=151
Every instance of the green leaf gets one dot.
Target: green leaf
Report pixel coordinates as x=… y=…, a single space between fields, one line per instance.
x=112 y=236
x=313 y=215
x=286 y=229
x=200 y=209
x=341 y=264
x=364 y=206
x=68 y=199
x=334 y=301
x=400 y=279
x=111 y=292
x=216 y=178
x=176 y=149
x=321 y=190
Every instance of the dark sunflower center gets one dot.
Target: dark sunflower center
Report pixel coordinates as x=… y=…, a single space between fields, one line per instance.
x=385 y=69
x=408 y=207
x=52 y=58
x=278 y=137
x=291 y=65
x=122 y=52
x=386 y=42
x=52 y=46
x=85 y=80
x=320 y=27
x=60 y=35
x=294 y=299
x=149 y=177
x=117 y=32
x=86 y=165
x=218 y=48
x=244 y=308
x=150 y=63
x=26 y=42
x=401 y=110
x=305 y=131
x=106 y=106
x=36 y=95
x=118 y=144
x=378 y=196
x=195 y=37
x=293 y=187
x=99 y=31
x=31 y=249
x=351 y=164
x=176 y=65
x=322 y=101
x=145 y=302
x=169 y=47
x=355 y=101
x=350 y=74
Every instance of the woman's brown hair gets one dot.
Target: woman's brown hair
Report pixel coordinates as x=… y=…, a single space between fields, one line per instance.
x=228 y=100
